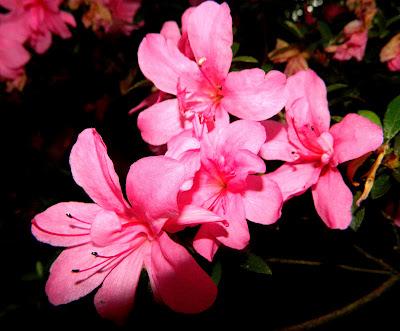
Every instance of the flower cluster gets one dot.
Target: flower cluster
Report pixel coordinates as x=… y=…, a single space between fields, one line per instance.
x=32 y=23
x=212 y=176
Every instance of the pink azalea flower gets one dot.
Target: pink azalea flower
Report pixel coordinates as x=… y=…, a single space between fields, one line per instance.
x=196 y=71
x=41 y=18
x=110 y=15
x=356 y=37
x=123 y=12
x=228 y=184
x=13 y=55
x=313 y=150
x=390 y=53
x=111 y=240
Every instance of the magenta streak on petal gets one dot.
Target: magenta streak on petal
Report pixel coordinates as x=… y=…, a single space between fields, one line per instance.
x=60 y=234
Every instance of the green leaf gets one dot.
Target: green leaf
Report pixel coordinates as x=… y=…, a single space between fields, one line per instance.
x=256 y=264
x=292 y=27
x=335 y=87
x=381 y=186
x=358 y=217
x=396 y=145
x=39 y=269
x=391 y=121
x=325 y=32
x=267 y=67
x=216 y=273
x=246 y=59
x=336 y=119
x=235 y=48
x=142 y=83
x=392 y=20
x=373 y=117
x=396 y=174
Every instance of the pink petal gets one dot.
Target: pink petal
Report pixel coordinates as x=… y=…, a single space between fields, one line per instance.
x=41 y=41
x=314 y=110
x=159 y=123
x=205 y=243
x=180 y=282
x=277 y=145
x=161 y=62
x=295 y=179
x=191 y=215
x=8 y=4
x=253 y=95
x=152 y=186
x=186 y=149
x=205 y=188
x=170 y=30
x=184 y=44
x=248 y=163
x=243 y=134
x=54 y=227
x=104 y=228
x=115 y=298
x=262 y=200
x=236 y=235
x=209 y=29
x=333 y=199
x=64 y=285
x=93 y=170
x=355 y=136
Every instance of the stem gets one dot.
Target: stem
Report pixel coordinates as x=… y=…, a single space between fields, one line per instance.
x=369 y=183
x=376 y=260
x=340 y=266
x=346 y=309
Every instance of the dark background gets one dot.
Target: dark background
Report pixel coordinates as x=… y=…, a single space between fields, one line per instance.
x=75 y=85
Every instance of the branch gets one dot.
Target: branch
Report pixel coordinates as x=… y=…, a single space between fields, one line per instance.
x=346 y=309
x=340 y=266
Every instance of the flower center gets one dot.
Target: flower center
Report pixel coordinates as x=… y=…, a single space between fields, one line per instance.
x=201 y=99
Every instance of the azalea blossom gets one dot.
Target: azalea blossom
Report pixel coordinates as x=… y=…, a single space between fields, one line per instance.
x=228 y=182
x=111 y=240
x=313 y=151
x=40 y=19
x=390 y=53
x=355 y=42
x=110 y=15
x=13 y=55
x=194 y=66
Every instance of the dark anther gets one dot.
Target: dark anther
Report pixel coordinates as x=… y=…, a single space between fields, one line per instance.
x=75 y=270
x=94 y=253
x=68 y=215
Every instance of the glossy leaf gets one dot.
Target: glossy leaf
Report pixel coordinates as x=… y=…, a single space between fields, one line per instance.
x=371 y=116
x=391 y=121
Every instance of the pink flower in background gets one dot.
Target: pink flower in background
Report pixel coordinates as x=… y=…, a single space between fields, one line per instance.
x=313 y=150
x=13 y=55
x=109 y=15
x=390 y=53
x=194 y=66
x=356 y=37
x=41 y=18
x=111 y=240
x=228 y=185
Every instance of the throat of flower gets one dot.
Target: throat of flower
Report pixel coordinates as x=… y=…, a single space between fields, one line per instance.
x=199 y=103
